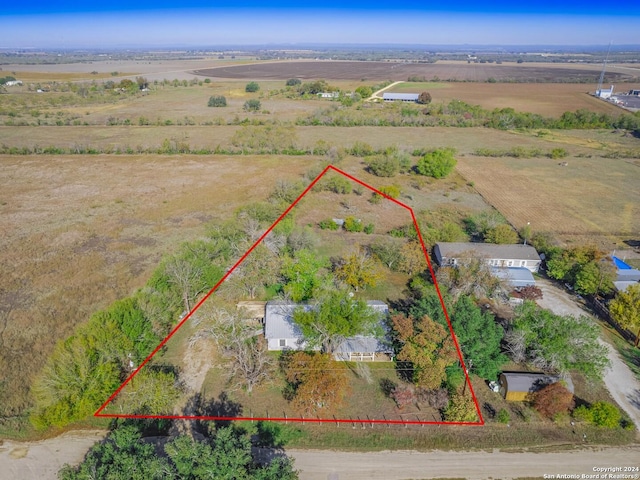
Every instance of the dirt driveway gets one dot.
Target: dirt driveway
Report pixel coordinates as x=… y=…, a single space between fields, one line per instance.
x=619 y=380
x=324 y=465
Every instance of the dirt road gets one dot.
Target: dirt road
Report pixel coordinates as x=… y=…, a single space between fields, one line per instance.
x=324 y=465
x=41 y=460
x=619 y=380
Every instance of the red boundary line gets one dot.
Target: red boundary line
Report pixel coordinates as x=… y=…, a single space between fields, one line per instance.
x=99 y=413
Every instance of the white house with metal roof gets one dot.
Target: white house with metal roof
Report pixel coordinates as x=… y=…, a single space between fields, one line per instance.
x=282 y=333
x=454 y=253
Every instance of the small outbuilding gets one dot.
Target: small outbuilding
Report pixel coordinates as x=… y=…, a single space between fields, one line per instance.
x=518 y=386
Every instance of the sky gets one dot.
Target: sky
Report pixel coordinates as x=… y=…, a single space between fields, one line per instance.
x=75 y=23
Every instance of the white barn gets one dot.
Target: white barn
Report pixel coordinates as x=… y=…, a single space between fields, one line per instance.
x=400 y=97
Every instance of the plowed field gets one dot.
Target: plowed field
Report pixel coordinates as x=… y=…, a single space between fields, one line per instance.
x=460 y=71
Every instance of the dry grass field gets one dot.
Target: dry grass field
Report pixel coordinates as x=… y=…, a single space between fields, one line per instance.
x=591 y=200
x=547 y=99
x=79 y=232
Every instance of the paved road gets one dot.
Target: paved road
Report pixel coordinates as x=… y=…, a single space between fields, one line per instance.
x=325 y=465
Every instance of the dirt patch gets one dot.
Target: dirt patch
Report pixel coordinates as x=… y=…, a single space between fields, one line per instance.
x=19 y=452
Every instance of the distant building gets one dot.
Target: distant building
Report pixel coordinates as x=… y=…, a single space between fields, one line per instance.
x=634 y=92
x=400 y=97
x=518 y=386
x=517 y=256
x=13 y=83
x=329 y=94
x=605 y=92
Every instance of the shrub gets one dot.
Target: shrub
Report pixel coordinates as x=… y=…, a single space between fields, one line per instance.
x=361 y=149
x=503 y=416
x=437 y=164
x=352 y=224
x=369 y=228
x=207 y=80
x=403 y=395
x=553 y=400
x=384 y=166
x=217 y=101
x=392 y=191
x=328 y=224
x=338 y=185
x=292 y=82
x=364 y=91
x=601 y=414
x=252 y=105
x=558 y=153
x=251 y=87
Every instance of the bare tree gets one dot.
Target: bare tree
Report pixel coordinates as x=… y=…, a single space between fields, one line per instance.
x=241 y=342
x=185 y=275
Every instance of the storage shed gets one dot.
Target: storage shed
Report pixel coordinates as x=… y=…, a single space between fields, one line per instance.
x=517 y=386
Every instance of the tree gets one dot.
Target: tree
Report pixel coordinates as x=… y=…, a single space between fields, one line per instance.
x=226 y=455
x=479 y=337
x=564 y=264
x=217 y=101
x=438 y=163
x=358 y=270
x=335 y=317
x=427 y=347
x=250 y=362
x=424 y=98
x=501 y=234
x=625 y=309
x=252 y=105
x=556 y=343
x=251 y=87
x=142 y=82
x=388 y=252
x=319 y=383
x=364 y=91
x=412 y=258
x=292 y=82
x=596 y=277
x=304 y=275
x=313 y=88
x=553 y=399
x=471 y=277
x=257 y=271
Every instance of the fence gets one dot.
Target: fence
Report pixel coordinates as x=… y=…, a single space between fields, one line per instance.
x=603 y=312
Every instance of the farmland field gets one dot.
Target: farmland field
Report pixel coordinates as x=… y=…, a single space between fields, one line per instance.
x=453 y=71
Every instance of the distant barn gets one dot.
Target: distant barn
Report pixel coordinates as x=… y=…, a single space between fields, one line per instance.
x=400 y=97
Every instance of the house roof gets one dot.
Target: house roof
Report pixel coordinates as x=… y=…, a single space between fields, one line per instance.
x=400 y=96
x=622 y=286
x=488 y=250
x=627 y=275
x=517 y=276
x=531 y=382
x=364 y=344
x=279 y=318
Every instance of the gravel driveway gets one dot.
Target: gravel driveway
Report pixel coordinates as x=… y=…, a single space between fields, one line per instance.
x=619 y=380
